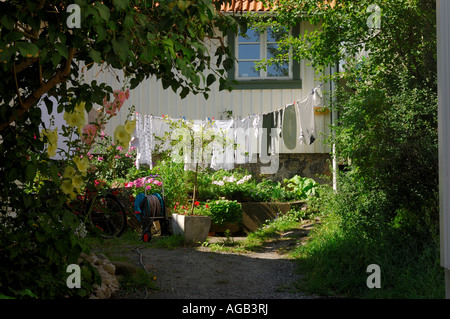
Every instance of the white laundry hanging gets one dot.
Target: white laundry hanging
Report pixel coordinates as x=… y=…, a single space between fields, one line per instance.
x=224 y=156
x=305 y=110
x=143 y=140
x=223 y=151
x=253 y=150
x=191 y=160
x=159 y=129
x=243 y=138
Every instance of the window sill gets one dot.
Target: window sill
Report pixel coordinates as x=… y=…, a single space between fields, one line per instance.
x=266 y=84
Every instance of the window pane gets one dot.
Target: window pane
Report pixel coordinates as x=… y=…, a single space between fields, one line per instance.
x=275 y=35
x=249 y=51
x=272 y=50
x=247 y=70
x=278 y=70
x=250 y=36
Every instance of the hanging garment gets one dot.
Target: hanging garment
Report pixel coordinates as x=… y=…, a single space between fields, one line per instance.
x=254 y=145
x=159 y=140
x=266 y=141
x=280 y=121
x=305 y=110
x=289 y=129
x=223 y=150
x=143 y=135
x=242 y=137
x=192 y=159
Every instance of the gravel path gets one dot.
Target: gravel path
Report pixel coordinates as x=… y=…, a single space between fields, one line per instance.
x=199 y=273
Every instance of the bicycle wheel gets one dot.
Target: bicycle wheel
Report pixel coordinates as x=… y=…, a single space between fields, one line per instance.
x=108 y=215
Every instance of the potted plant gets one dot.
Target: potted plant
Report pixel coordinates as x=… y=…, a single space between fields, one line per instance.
x=185 y=222
x=225 y=215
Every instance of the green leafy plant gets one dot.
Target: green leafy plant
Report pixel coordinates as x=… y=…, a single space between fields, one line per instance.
x=224 y=211
x=42 y=57
x=300 y=188
x=111 y=161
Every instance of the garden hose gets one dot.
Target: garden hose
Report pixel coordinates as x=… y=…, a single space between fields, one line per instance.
x=142 y=264
x=147 y=207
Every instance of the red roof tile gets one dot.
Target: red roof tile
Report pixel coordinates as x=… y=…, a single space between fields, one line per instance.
x=257 y=6
x=244 y=5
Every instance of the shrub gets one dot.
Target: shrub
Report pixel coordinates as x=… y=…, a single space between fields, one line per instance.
x=175 y=181
x=300 y=188
x=224 y=211
x=361 y=226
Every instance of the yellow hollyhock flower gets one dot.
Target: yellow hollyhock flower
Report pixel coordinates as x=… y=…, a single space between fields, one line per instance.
x=77 y=181
x=67 y=187
x=121 y=136
x=130 y=126
x=52 y=140
x=51 y=150
x=80 y=107
x=82 y=164
x=77 y=117
x=69 y=172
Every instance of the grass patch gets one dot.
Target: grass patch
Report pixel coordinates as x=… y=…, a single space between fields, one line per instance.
x=138 y=281
x=268 y=232
x=168 y=242
x=334 y=263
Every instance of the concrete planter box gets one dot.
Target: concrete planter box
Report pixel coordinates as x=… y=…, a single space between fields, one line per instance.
x=231 y=227
x=257 y=213
x=192 y=227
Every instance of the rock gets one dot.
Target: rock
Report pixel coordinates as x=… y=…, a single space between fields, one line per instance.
x=110 y=268
x=106 y=270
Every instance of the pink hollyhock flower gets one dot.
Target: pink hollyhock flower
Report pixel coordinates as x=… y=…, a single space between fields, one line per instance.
x=138 y=183
x=157 y=183
x=148 y=187
x=89 y=133
x=129 y=185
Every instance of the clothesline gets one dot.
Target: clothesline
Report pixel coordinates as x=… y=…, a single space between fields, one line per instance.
x=313 y=91
x=257 y=137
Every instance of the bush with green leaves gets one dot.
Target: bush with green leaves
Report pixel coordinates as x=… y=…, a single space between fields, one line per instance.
x=300 y=188
x=224 y=211
x=43 y=57
x=175 y=182
x=111 y=161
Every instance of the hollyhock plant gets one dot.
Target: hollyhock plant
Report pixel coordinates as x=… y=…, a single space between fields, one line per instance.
x=144 y=184
x=89 y=133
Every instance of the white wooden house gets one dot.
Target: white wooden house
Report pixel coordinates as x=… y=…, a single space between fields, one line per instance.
x=256 y=93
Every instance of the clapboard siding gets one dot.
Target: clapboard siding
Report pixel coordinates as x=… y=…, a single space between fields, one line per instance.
x=150 y=98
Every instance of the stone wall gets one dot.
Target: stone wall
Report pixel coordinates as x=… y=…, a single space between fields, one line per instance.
x=314 y=166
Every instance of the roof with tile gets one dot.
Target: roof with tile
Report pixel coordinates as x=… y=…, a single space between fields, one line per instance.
x=256 y=6
x=244 y=5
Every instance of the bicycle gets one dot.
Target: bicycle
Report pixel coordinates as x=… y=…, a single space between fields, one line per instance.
x=103 y=210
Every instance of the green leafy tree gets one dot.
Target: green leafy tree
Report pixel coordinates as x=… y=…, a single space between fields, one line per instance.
x=386 y=100
x=44 y=47
x=387 y=91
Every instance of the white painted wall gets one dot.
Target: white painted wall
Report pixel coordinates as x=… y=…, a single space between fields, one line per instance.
x=150 y=98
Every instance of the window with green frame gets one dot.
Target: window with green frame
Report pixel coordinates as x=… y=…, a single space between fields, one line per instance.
x=254 y=46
